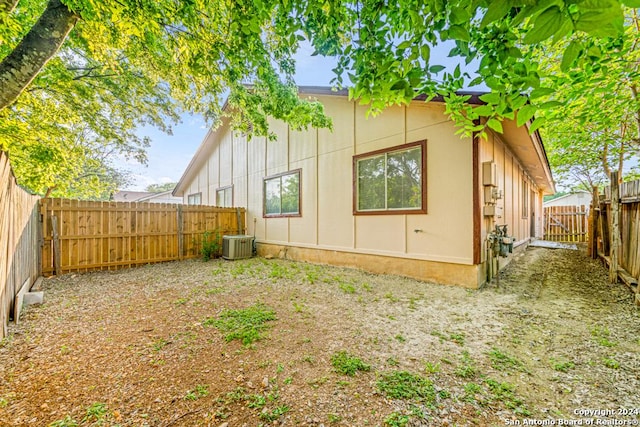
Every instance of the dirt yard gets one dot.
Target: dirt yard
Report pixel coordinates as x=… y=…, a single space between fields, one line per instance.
x=156 y=346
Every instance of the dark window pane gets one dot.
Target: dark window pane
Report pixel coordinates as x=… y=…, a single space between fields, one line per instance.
x=290 y=194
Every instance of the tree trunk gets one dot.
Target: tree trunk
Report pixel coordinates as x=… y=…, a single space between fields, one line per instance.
x=40 y=44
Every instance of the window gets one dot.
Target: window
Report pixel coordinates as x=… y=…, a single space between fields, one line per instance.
x=282 y=194
x=525 y=198
x=224 y=197
x=194 y=199
x=391 y=181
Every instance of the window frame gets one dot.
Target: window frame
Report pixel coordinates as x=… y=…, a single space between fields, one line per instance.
x=423 y=179
x=199 y=195
x=264 y=195
x=225 y=188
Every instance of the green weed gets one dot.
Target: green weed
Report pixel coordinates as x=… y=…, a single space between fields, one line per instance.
x=347 y=288
x=347 y=364
x=611 y=363
x=247 y=325
x=562 y=365
x=505 y=393
x=397 y=419
x=431 y=368
x=210 y=245
x=159 y=344
x=195 y=394
x=96 y=412
x=274 y=414
x=334 y=418
x=65 y=422
x=503 y=361
x=601 y=335
x=405 y=385
x=468 y=368
x=458 y=338
x=400 y=338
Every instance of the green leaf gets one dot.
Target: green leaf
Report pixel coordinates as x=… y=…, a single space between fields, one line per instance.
x=436 y=68
x=399 y=85
x=497 y=10
x=483 y=110
x=495 y=125
x=631 y=3
x=425 y=52
x=537 y=123
x=490 y=98
x=545 y=25
x=541 y=91
x=608 y=23
x=458 y=32
x=570 y=55
x=459 y=15
x=525 y=114
x=404 y=45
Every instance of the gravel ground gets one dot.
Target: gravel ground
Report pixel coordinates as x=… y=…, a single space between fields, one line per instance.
x=141 y=347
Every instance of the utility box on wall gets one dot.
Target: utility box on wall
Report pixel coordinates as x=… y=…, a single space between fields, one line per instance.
x=489 y=174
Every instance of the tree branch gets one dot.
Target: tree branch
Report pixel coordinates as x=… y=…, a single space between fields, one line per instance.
x=41 y=43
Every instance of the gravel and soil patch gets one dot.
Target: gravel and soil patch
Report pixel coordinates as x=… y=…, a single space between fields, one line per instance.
x=274 y=342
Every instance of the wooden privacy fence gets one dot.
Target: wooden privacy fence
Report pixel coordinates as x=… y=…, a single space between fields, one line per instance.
x=565 y=223
x=626 y=259
x=85 y=235
x=19 y=242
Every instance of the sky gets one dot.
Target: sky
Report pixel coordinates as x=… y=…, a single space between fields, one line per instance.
x=169 y=155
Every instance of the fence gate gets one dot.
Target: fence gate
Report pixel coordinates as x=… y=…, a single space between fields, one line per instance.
x=565 y=223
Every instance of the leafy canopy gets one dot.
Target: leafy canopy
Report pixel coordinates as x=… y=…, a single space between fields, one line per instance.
x=128 y=63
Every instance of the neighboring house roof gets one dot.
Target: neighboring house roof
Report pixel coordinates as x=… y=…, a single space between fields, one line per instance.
x=145 y=196
x=577 y=198
x=517 y=138
x=130 y=196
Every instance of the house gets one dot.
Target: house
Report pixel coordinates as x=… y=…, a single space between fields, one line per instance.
x=146 y=196
x=398 y=193
x=579 y=198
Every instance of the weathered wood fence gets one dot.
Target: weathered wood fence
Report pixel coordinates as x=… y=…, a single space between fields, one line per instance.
x=19 y=242
x=565 y=223
x=625 y=258
x=85 y=235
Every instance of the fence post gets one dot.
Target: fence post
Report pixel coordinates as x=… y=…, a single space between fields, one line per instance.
x=56 y=246
x=615 y=228
x=593 y=223
x=239 y=221
x=180 y=232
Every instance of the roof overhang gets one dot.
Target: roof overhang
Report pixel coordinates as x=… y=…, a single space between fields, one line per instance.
x=528 y=148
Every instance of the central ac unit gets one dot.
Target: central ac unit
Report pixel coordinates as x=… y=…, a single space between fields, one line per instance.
x=237 y=247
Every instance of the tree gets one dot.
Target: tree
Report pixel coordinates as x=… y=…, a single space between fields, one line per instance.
x=595 y=127
x=198 y=51
x=160 y=188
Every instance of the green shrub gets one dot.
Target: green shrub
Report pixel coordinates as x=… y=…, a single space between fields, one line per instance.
x=210 y=246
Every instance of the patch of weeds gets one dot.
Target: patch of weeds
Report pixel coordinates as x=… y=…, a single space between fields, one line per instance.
x=342 y=383
x=65 y=422
x=298 y=308
x=287 y=380
x=390 y=297
x=347 y=288
x=334 y=418
x=214 y=291
x=256 y=401
x=210 y=245
x=562 y=365
x=457 y=338
x=96 y=412
x=503 y=361
x=279 y=368
x=412 y=304
x=159 y=344
x=439 y=335
x=397 y=419
x=392 y=361
x=274 y=414
x=246 y=325
x=367 y=287
x=601 y=334
x=611 y=363
x=279 y=271
x=4 y=342
x=431 y=368
x=198 y=392
x=467 y=369
x=309 y=359
x=3 y=402
x=405 y=385
x=64 y=349
x=347 y=364
x=239 y=269
x=180 y=301
x=236 y=395
x=505 y=393
x=400 y=338
x=470 y=391
x=311 y=276
x=217 y=271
